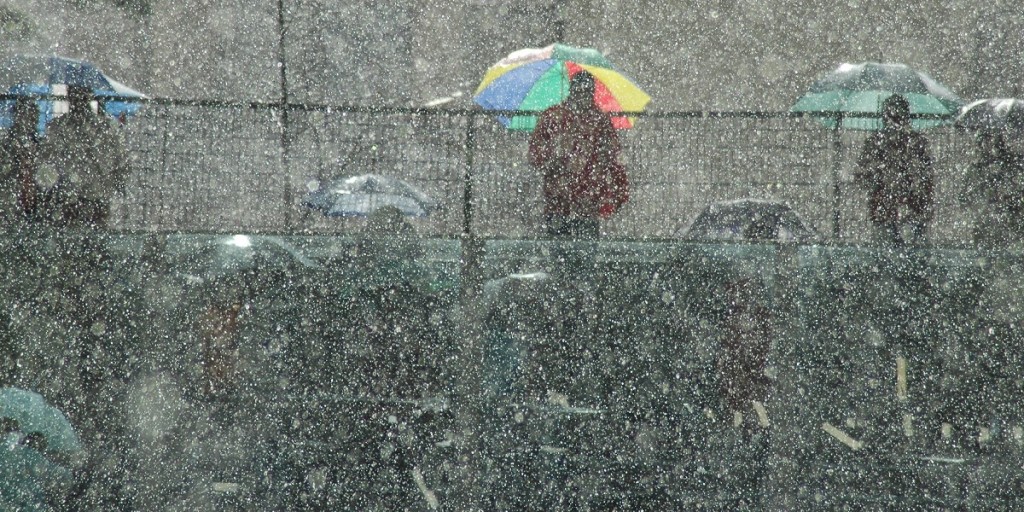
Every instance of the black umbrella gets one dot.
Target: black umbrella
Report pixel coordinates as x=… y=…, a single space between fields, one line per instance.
x=748 y=220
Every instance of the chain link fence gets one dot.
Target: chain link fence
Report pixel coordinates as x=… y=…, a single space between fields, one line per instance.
x=245 y=167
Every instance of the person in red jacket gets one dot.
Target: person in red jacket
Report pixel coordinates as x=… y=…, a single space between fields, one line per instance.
x=577 y=150
x=896 y=166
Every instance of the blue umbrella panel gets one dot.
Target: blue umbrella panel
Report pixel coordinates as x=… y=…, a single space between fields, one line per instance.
x=39 y=74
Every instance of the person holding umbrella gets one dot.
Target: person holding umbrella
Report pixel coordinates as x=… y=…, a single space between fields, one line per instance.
x=896 y=167
x=995 y=187
x=577 y=150
x=84 y=161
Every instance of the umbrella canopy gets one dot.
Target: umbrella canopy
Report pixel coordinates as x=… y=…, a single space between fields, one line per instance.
x=29 y=480
x=861 y=89
x=537 y=78
x=38 y=444
x=218 y=257
x=993 y=114
x=360 y=195
x=748 y=220
x=34 y=415
x=38 y=74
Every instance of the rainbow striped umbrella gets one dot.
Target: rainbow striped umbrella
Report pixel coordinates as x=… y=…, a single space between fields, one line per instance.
x=536 y=78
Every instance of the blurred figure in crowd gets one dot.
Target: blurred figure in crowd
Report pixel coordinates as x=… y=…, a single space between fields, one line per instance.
x=84 y=162
x=994 y=190
x=395 y=346
x=747 y=335
x=576 y=149
x=19 y=152
x=896 y=167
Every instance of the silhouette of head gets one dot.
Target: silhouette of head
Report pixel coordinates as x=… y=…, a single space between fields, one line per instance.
x=896 y=113
x=991 y=144
x=79 y=98
x=581 y=89
x=26 y=115
x=387 y=221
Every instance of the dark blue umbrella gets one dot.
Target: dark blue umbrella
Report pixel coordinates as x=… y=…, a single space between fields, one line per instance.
x=37 y=74
x=748 y=219
x=360 y=195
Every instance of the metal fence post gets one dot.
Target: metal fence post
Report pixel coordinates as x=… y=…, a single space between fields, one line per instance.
x=837 y=144
x=285 y=131
x=467 y=177
x=468 y=403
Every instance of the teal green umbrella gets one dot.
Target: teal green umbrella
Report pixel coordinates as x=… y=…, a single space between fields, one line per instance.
x=34 y=415
x=37 y=443
x=857 y=89
x=29 y=479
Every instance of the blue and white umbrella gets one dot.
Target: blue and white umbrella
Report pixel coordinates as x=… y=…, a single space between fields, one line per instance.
x=38 y=74
x=360 y=195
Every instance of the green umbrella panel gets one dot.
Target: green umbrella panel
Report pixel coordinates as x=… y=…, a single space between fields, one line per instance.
x=853 y=103
x=552 y=87
x=585 y=56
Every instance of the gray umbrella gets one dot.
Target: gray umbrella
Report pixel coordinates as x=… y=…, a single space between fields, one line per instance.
x=229 y=255
x=360 y=195
x=992 y=114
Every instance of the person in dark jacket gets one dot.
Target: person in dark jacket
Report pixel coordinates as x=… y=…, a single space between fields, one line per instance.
x=896 y=166
x=83 y=163
x=747 y=335
x=19 y=153
x=994 y=191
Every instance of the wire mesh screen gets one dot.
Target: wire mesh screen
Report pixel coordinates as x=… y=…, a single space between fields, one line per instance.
x=247 y=168
x=198 y=168
x=680 y=164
